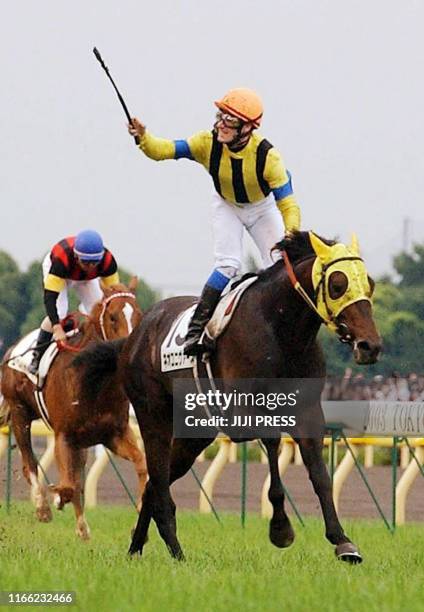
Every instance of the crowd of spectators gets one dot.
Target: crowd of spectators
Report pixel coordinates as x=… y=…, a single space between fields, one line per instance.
x=358 y=387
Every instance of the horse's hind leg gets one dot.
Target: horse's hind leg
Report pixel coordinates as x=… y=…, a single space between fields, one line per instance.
x=281 y=533
x=125 y=446
x=65 y=459
x=311 y=450
x=183 y=454
x=21 y=424
x=157 y=501
x=82 y=529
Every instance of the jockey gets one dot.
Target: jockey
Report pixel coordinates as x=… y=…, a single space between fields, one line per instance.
x=253 y=189
x=78 y=262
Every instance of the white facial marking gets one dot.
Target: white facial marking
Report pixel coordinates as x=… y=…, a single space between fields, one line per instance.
x=128 y=312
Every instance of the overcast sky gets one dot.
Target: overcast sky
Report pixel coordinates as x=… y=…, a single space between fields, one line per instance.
x=342 y=84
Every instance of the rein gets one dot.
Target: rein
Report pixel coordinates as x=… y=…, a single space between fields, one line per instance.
x=341 y=329
x=64 y=346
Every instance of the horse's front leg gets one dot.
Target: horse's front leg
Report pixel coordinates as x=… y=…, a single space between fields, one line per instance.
x=281 y=533
x=21 y=425
x=311 y=450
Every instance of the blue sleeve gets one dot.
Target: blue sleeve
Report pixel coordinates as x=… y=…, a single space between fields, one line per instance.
x=285 y=190
x=182 y=150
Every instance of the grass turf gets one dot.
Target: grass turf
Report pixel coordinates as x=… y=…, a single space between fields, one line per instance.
x=227 y=568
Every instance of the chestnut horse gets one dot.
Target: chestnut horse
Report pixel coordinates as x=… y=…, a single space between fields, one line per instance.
x=272 y=335
x=76 y=423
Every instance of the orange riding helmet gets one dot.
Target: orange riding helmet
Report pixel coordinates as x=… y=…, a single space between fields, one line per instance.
x=243 y=103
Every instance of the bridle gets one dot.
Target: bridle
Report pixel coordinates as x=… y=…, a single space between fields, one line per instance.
x=330 y=321
x=105 y=303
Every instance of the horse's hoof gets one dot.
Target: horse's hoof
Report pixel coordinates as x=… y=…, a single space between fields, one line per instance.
x=348 y=552
x=44 y=515
x=282 y=538
x=83 y=533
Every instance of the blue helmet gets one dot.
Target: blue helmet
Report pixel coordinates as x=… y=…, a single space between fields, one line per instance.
x=89 y=246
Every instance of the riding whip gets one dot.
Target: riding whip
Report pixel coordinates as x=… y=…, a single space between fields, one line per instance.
x=121 y=99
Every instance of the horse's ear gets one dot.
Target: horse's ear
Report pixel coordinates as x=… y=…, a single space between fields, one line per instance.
x=355 y=245
x=133 y=284
x=321 y=249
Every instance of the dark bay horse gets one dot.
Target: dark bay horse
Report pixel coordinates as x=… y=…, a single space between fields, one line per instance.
x=272 y=335
x=77 y=424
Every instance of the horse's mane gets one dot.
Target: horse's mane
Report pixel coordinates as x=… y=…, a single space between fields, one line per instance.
x=297 y=246
x=98 y=362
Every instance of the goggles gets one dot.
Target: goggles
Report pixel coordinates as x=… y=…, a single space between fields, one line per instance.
x=89 y=262
x=228 y=120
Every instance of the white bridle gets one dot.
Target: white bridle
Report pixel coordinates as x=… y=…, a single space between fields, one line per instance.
x=105 y=303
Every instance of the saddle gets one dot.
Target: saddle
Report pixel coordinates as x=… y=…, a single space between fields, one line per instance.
x=172 y=349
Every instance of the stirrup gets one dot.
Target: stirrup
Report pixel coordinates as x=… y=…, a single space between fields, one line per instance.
x=203 y=345
x=193 y=349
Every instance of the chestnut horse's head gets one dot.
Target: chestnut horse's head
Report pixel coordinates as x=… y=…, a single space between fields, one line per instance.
x=118 y=312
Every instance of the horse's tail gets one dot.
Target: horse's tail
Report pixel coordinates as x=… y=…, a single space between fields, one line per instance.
x=99 y=362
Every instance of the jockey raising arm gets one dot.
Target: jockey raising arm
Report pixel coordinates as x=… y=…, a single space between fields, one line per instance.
x=251 y=184
x=76 y=261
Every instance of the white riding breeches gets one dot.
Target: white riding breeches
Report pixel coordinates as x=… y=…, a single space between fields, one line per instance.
x=262 y=220
x=89 y=292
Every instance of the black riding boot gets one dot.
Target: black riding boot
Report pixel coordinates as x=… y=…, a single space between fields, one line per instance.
x=204 y=311
x=39 y=349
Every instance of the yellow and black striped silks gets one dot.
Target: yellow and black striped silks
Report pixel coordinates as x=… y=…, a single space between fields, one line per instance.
x=242 y=177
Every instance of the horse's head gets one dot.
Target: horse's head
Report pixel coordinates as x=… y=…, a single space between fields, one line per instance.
x=343 y=292
x=118 y=312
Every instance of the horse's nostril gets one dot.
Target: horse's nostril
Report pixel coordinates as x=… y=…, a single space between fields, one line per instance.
x=363 y=345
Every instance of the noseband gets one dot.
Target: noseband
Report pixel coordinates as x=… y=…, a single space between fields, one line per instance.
x=330 y=321
x=105 y=304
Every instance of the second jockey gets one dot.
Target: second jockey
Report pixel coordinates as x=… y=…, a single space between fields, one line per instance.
x=253 y=189
x=78 y=262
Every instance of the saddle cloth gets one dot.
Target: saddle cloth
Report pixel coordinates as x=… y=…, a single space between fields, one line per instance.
x=21 y=357
x=172 y=349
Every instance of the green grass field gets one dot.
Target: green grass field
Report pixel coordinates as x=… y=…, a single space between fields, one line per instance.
x=227 y=568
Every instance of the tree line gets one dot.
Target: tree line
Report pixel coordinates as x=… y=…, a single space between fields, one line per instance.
x=398 y=310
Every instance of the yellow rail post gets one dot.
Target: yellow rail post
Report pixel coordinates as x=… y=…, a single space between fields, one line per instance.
x=93 y=476
x=406 y=480
x=3 y=440
x=368 y=456
x=212 y=475
x=232 y=457
x=341 y=473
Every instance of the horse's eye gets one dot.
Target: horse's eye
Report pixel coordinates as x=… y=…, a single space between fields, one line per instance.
x=372 y=287
x=337 y=285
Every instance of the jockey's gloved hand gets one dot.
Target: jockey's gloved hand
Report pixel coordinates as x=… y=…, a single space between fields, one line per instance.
x=58 y=333
x=136 y=128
